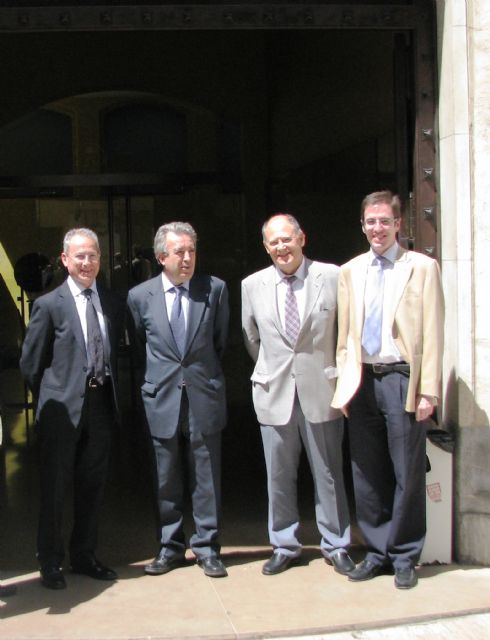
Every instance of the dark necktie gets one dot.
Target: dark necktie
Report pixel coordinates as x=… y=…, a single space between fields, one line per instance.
x=177 y=320
x=373 y=321
x=291 y=316
x=95 y=343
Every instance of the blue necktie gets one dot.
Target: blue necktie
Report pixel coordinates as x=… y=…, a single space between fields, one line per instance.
x=177 y=320
x=373 y=320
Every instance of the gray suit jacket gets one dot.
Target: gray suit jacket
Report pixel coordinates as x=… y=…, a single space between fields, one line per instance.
x=163 y=370
x=281 y=369
x=54 y=355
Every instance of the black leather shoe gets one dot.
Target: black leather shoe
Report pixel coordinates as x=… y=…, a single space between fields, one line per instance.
x=278 y=563
x=7 y=590
x=341 y=561
x=405 y=578
x=213 y=567
x=52 y=577
x=366 y=570
x=163 y=564
x=94 y=569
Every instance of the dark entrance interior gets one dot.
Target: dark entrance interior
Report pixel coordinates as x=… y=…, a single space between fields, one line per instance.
x=123 y=130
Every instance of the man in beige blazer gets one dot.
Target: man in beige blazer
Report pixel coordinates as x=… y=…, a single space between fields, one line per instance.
x=389 y=363
x=290 y=327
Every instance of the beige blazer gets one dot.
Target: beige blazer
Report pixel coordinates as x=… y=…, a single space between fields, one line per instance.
x=417 y=317
x=282 y=369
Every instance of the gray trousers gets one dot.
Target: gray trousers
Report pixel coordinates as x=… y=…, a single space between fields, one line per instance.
x=323 y=444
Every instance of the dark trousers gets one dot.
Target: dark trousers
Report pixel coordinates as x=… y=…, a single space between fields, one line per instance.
x=387 y=449
x=193 y=460
x=78 y=457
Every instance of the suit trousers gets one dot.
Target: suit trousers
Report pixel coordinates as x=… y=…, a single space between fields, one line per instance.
x=191 y=456
x=78 y=457
x=387 y=449
x=282 y=449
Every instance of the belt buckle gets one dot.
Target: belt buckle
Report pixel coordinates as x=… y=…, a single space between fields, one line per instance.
x=379 y=368
x=92 y=383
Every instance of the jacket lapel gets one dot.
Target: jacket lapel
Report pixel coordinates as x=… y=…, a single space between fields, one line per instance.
x=401 y=272
x=70 y=311
x=269 y=298
x=199 y=290
x=358 y=284
x=157 y=310
x=313 y=286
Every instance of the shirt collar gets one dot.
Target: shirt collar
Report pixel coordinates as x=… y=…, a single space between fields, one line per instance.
x=168 y=286
x=300 y=273
x=390 y=254
x=77 y=289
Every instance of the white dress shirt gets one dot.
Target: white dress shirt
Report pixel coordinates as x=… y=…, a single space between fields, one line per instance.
x=170 y=295
x=81 y=304
x=388 y=352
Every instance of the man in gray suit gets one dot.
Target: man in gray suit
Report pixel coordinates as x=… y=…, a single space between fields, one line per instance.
x=290 y=329
x=180 y=324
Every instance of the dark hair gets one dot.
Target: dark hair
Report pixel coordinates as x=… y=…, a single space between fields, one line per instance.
x=382 y=197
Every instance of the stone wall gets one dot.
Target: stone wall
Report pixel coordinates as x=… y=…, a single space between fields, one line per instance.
x=464 y=141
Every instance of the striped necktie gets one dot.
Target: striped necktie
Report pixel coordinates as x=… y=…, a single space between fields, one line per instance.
x=291 y=316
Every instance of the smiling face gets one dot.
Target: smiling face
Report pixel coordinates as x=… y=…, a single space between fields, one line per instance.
x=180 y=260
x=284 y=244
x=380 y=226
x=82 y=260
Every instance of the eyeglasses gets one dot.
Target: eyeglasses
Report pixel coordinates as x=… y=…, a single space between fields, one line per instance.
x=85 y=257
x=384 y=222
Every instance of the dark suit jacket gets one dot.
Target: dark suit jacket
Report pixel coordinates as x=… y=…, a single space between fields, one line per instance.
x=54 y=356
x=163 y=370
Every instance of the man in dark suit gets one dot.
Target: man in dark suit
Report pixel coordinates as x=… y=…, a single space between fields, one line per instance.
x=69 y=362
x=180 y=324
x=389 y=358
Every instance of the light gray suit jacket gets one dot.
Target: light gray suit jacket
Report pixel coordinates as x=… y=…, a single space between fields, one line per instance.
x=163 y=369
x=282 y=369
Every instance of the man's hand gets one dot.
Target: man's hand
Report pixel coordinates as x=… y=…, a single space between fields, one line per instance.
x=424 y=407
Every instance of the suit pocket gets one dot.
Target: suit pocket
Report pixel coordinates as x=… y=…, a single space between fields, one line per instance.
x=261 y=379
x=330 y=373
x=149 y=389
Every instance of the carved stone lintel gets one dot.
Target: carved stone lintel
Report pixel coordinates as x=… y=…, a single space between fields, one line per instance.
x=279 y=15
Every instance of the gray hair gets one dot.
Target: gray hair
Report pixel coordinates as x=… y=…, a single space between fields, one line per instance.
x=179 y=228
x=87 y=233
x=291 y=219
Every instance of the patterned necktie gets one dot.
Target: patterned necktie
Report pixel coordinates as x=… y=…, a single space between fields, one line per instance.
x=292 y=323
x=177 y=320
x=95 y=343
x=373 y=320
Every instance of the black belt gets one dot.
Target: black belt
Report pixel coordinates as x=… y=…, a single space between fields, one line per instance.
x=381 y=368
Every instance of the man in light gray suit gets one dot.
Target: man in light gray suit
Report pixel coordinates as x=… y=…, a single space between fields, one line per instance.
x=290 y=328
x=180 y=324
